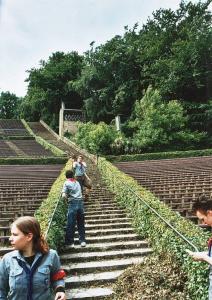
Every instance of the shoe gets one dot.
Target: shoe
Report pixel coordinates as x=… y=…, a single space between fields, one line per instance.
x=83 y=244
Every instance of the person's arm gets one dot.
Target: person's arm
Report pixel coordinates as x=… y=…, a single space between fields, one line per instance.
x=64 y=192
x=4 y=280
x=74 y=165
x=57 y=281
x=200 y=256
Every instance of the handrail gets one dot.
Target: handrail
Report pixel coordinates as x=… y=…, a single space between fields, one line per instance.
x=52 y=216
x=152 y=209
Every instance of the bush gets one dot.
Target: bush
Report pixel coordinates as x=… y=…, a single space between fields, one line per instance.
x=161 y=125
x=159 y=277
x=96 y=138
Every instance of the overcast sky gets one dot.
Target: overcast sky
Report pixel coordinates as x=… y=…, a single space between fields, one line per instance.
x=31 y=30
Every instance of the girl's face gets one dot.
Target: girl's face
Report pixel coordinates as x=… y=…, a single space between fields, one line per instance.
x=19 y=240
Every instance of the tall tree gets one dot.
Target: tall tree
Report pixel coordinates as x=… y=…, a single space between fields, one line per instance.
x=48 y=86
x=9 y=104
x=110 y=80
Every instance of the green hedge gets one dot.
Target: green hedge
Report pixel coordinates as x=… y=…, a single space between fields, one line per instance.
x=32 y=160
x=160 y=155
x=160 y=236
x=16 y=137
x=44 y=214
x=56 y=151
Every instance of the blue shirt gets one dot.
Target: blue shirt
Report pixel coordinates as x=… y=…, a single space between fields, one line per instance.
x=72 y=189
x=79 y=168
x=13 y=278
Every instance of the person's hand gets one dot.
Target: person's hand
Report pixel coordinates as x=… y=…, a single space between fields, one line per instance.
x=198 y=256
x=60 y=296
x=64 y=196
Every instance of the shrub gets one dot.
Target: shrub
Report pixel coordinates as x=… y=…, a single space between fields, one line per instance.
x=159 y=124
x=96 y=138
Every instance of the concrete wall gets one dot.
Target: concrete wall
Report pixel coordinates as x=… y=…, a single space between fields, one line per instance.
x=69 y=126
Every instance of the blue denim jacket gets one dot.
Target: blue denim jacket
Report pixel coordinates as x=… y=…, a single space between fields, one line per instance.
x=13 y=279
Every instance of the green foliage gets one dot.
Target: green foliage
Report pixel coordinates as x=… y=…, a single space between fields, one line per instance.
x=49 y=86
x=9 y=105
x=96 y=138
x=159 y=277
x=171 y=52
x=159 y=124
x=163 y=240
x=53 y=212
x=109 y=83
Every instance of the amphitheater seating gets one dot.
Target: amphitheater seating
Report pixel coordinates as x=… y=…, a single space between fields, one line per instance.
x=177 y=182
x=10 y=127
x=41 y=131
x=15 y=141
x=5 y=150
x=22 y=189
x=31 y=148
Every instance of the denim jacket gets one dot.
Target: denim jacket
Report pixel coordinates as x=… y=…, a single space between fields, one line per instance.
x=13 y=278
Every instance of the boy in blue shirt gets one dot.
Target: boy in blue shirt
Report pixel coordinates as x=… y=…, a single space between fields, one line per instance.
x=73 y=193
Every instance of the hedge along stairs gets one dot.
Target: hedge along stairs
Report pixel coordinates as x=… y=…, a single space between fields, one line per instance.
x=112 y=246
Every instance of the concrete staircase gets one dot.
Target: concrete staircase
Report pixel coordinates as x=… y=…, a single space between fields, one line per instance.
x=112 y=246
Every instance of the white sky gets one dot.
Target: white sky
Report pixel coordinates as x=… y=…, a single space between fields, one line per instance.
x=31 y=30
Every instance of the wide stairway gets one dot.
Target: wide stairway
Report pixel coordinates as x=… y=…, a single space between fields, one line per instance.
x=112 y=246
x=177 y=182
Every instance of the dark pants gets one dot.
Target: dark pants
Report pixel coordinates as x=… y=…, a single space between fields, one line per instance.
x=75 y=216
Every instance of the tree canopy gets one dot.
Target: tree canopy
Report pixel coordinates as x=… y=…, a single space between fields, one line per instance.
x=48 y=86
x=9 y=105
x=171 y=52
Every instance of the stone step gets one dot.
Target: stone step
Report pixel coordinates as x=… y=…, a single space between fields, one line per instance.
x=101 y=232
x=105 y=216
x=104 y=254
x=100 y=205
x=92 y=279
x=89 y=294
x=109 y=221
x=108 y=225
x=115 y=237
x=107 y=246
x=97 y=266
x=14 y=215
x=105 y=211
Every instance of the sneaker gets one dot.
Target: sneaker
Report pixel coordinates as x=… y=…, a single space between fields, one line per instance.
x=83 y=244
